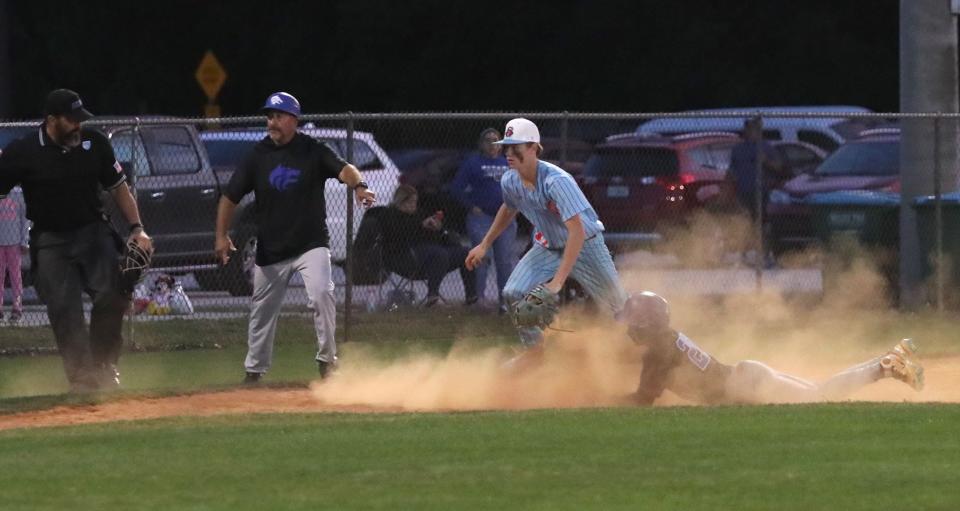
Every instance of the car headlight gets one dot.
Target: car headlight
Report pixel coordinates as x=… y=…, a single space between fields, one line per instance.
x=780 y=197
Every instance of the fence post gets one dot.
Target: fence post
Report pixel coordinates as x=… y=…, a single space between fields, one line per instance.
x=348 y=290
x=564 y=133
x=937 y=215
x=758 y=208
x=131 y=332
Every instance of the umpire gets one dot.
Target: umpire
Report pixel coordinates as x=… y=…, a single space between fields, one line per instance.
x=62 y=169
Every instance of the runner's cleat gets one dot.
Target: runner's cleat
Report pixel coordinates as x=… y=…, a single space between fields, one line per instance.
x=900 y=363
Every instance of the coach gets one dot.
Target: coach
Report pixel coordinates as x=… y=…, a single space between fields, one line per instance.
x=62 y=169
x=287 y=173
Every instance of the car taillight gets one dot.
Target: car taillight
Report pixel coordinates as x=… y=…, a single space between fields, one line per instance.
x=677 y=182
x=675 y=186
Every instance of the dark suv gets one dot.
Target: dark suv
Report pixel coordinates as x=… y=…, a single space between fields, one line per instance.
x=177 y=193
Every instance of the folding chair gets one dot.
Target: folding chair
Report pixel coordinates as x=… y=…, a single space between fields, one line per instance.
x=370 y=268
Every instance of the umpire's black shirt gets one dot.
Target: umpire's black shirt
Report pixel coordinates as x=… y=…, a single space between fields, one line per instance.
x=61 y=186
x=288 y=182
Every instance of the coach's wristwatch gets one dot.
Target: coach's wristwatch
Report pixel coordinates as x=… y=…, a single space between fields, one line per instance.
x=362 y=184
x=134 y=227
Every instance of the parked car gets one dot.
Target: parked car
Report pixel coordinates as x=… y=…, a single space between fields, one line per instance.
x=177 y=192
x=570 y=155
x=869 y=162
x=9 y=134
x=175 y=187
x=828 y=133
x=228 y=148
x=638 y=184
x=641 y=184
x=799 y=157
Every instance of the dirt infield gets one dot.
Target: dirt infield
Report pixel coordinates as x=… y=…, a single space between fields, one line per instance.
x=436 y=385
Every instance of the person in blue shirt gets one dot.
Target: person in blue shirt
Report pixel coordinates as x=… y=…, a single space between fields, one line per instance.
x=477 y=187
x=567 y=235
x=743 y=165
x=743 y=173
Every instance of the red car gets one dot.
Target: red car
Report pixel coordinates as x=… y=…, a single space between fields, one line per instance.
x=639 y=183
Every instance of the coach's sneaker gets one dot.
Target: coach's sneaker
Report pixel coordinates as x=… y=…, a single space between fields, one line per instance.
x=900 y=363
x=326 y=369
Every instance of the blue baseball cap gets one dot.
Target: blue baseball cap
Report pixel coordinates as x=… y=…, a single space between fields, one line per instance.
x=283 y=102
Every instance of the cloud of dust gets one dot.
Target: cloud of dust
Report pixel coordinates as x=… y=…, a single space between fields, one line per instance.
x=589 y=367
x=811 y=337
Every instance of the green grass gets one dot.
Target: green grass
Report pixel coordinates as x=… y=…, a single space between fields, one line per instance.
x=837 y=456
x=29 y=382
x=440 y=325
x=854 y=456
x=24 y=381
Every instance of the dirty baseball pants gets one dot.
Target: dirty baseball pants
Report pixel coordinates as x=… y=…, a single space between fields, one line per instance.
x=270 y=286
x=10 y=263
x=756 y=382
x=67 y=264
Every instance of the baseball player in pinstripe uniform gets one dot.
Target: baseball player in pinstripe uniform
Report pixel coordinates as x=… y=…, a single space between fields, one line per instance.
x=567 y=235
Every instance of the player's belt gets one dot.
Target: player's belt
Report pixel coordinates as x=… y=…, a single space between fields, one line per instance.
x=560 y=249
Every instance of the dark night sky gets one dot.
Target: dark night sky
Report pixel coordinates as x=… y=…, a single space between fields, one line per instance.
x=138 y=57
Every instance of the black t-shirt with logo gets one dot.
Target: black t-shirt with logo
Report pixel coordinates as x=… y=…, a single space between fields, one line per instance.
x=61 y=186
x=288 y=183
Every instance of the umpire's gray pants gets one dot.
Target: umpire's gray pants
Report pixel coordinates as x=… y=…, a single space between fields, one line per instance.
x=269 y=287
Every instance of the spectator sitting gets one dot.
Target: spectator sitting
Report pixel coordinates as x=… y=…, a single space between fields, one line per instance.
x=418 y=247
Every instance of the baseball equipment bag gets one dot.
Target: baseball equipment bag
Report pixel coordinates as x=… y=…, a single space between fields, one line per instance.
x=538 y=308
x=133 y=266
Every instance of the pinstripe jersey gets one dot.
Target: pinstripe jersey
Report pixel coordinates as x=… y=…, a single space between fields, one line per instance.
x=556 y=198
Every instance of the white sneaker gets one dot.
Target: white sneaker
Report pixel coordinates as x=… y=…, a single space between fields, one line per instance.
x=900 y=363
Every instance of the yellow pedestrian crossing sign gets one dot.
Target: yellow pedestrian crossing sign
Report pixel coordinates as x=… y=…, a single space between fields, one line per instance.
x=210 y=75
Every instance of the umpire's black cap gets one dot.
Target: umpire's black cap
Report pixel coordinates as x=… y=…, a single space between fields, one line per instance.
x=67 y=103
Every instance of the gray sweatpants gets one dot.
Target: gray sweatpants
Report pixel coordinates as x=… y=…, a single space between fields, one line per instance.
x=269 y=287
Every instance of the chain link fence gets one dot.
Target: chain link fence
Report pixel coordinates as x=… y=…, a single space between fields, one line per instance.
x=708 y=203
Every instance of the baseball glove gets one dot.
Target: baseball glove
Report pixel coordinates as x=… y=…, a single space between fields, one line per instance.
x=538 y=308
x=133 y=266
